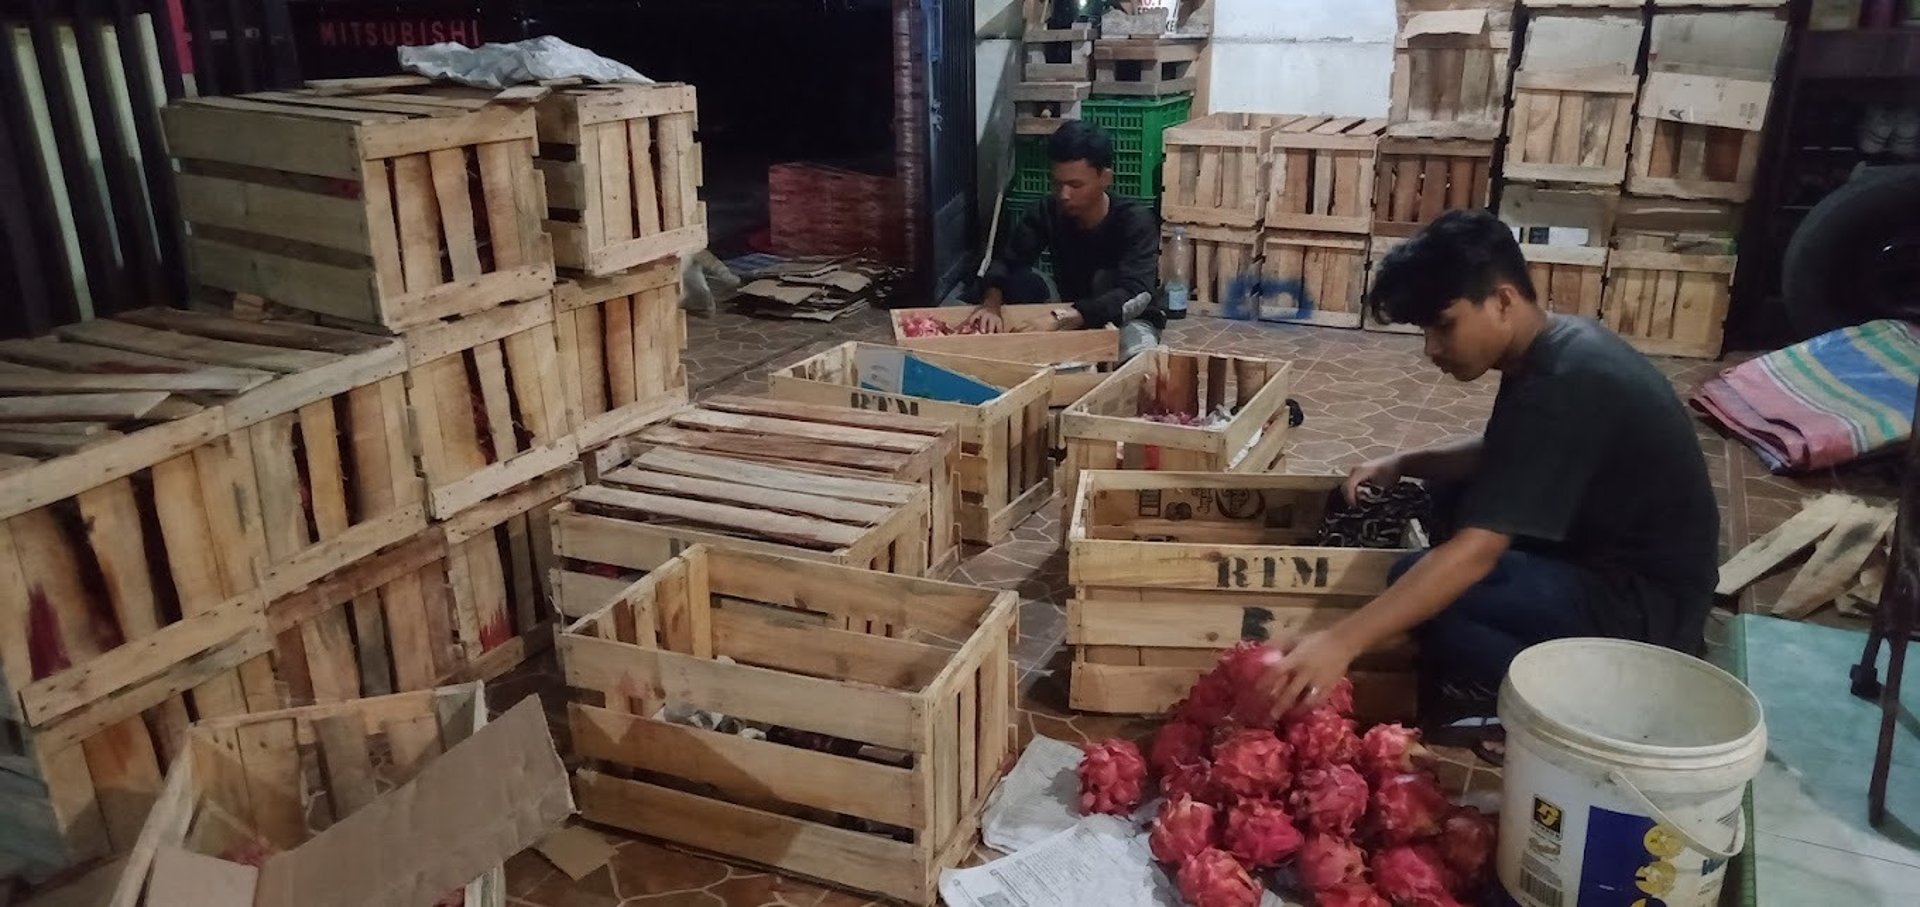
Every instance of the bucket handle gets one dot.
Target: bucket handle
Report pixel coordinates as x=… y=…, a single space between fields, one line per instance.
x=1693 y=841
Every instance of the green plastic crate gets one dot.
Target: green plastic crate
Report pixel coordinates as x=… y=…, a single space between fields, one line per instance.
x=1136 y=124
x=1032 y=171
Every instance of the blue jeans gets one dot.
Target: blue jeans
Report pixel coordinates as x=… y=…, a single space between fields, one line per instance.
x=1528 y=598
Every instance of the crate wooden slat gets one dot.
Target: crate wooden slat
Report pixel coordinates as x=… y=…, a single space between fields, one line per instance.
x=1450 y=66
x=381 y=211
x=620 y=342
x=1170 y=568
x=1040 y=107
x=1312 y=278
x=1004 y=476
x=1218 y=167
x=1058 y=54
x=1698 y=136
x=1563 y=233
x=489 y=403
x=831 y=440
x=1377 y=251
x=1145 y=67
x=273 y=781
x=1029 y=338
x=1419 y=179
x=907 y=686
x=1570 y=127
x=1668 y=303
x=1104 y=431
x=638 y=516
x=1323 y=174
x=623 y=174
x=1223 y=268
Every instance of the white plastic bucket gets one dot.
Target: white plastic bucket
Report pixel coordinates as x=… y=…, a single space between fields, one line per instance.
x=1625 y=769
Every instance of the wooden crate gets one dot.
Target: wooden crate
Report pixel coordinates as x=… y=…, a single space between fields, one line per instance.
x=386 y=208
x=1563 y=233
x=832 y=440
x=1570 y=127
x=1104 y=430
x=1223 y=268
x=1669 y=303
x=1377 y=251
x=1004 y=475
x=1450 y=64
x=1029 y=338
x=1313 y=278
x=1040 y=107
x=1323 y=174
x=1698 y=136
x=640 y=515
x=489 y=403
x=136 y=524
x=1419 y=179
x=623 y=175
x=1218 y=169
x=887 y=702
x=1058 y=54
x=1169 y=569
x=270 y=783
x=1145 y=67
x=620 y=342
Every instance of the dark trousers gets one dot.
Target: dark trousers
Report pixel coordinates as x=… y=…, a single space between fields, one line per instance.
x=1528 y=598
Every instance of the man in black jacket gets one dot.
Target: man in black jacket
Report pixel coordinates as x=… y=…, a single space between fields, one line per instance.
x=1106 y=250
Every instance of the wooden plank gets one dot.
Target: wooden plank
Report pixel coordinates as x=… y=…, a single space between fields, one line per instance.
x=346 y=761
x=271 y=763
x=646 y=191
x=744 y=768
x=1837 y=559
x=1785 y=540
x=450 y=190
x=826 y=652
x=415 y=201
x=79 y=407
x=498 y=189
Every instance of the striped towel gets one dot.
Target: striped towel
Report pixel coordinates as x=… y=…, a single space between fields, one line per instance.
x=1824 y=402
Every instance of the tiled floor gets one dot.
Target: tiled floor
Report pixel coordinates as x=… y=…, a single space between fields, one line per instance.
x=1364 y=395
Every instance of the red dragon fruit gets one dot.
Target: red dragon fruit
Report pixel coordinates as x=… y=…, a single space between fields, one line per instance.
x=1353 y=894
x=1183 y=828
x=1195 y=780
x=1340 y=698
x=1413 y=876
x=1327 y=862
x=1408 y=807
x=1213 y=878
x=1113 y=777
x=1261 y=834
x=1391 y=749
x=1330 y=800
x=1466 y=843
x=1253 y=763
x=1177 y=743
x=1247 y=662
x=1321 y=737
x=1209 y=702
x=923 y=326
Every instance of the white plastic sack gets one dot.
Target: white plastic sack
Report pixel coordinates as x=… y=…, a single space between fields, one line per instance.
x=522 y=62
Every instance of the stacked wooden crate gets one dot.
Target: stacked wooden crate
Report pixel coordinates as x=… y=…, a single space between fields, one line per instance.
x=1056 y=77
x=1319 y=212
x=1215 y=193
x=1696 y=143
x=166 y=475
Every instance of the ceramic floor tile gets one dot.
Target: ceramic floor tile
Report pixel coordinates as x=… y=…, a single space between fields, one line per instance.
x=1797 y=873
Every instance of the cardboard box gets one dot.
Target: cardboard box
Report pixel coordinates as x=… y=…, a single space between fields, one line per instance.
x=497 y=789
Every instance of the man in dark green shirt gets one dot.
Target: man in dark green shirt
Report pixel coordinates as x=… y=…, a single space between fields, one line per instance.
x=1106 y=249
x=1584 y=509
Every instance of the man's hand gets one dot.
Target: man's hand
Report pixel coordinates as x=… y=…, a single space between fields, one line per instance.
x=1312 y=667
x=1383 y=472
x=986 y=319
x=1068 y=319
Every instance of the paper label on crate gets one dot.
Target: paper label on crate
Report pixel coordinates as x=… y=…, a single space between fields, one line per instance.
x=1568 y=236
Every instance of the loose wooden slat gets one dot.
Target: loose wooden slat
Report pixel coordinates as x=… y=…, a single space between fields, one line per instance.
x=449 y=168
x=415 y=200
x=348 y=765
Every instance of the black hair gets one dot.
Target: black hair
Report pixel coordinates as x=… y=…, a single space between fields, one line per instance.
x=1079 y=140
x=1461 y=255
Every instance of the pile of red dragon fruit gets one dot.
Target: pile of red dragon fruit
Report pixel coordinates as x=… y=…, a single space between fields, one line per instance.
x=929 y=326
x=1359 y=819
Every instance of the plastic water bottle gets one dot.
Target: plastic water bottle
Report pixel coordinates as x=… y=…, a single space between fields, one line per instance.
x=1177 y=282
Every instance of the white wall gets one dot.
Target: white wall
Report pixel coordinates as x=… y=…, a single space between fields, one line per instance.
x=1302 y=56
